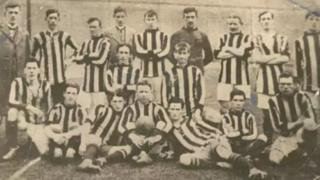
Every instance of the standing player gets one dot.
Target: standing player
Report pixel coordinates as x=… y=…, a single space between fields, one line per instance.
x=144 y=124
x=201 y=52
x=14 y=51
x=123 y=75
x=152 y=46
x=64 y=125
x=94 y=54
x=307 y=50
x=120 y=33
x=50 y=48
x=239 y=125
x=184 y=81
x=29 y=100
x=271 y=52
x=234 y=51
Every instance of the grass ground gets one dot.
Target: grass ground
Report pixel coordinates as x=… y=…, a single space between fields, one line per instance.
x=157 y=171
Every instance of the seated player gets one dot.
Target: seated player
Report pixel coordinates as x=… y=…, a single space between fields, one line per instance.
x=144 y=124
x=29 y=100
x=104 y=137
x=239 y=125
x=195 y=149
x=123 y=75
x=184 y=81
x=286 y=128
x=64 y=125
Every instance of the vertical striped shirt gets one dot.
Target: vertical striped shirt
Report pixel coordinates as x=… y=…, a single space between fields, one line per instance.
x=94 y=54
x=268 y=74
x=152 y=111
x=152 y=46
x=240 y=125
x=234 y=70
x=21 y=95
x=68 y=117
x=308 y=55
x=187 y=83
x=285 y=110
x=124 y=76
x=50 y=49
x=105 y=125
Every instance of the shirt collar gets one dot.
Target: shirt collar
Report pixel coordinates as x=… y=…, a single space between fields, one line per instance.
x=120 y=28
x=190 y=29
x=52 y=33
x=152 y=30
x=12 y=27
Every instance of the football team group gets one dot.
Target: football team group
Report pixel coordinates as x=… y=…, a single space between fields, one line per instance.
x=143 y=94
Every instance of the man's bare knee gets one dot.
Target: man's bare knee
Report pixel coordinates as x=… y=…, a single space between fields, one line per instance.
x=13 y=114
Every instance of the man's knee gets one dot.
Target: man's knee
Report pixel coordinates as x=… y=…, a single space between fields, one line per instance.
x=185 y=159
x=276 y=157
x=13 y=114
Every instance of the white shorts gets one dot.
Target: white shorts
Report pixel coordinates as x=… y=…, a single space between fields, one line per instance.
x=38 y=136
x=263 y=100
x=315 y=99
x=224 y=90
x=91 y=100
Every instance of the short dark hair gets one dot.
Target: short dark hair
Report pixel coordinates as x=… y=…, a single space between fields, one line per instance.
x=92 y=19
x=119 y=93
x=288 y=75
x=236 y=17
x=52 y=11
x=32 y=60
x=124 y=45
x=182 y=46
x=189 y=10
x=265 y=12
x=72 y=85
x=12 y=5
x=151 y=13
x=119 y=9
x=144 y=83
x=312 y=13
x=176 y=99
x=237 y=92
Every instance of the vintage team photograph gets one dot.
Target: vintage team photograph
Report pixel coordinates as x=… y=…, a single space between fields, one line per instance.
x=159 y=90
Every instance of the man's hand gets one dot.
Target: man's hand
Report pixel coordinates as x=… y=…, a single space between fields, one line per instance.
x=34 y=110
x=256 y=173
x=59 y=139
x=136 y=140
x=292 y=125
x=153 y=139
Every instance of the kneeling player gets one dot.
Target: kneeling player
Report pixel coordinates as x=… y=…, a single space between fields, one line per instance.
x=199 y=150
x=29 y=99
x=104 y=139
x=64 y=125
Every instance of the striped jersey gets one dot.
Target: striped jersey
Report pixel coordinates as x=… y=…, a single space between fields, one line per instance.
x=22 y=94
x=105 y=125
x=68 y=117
x=94 y=54
x=285 y=110
x=187 y=83
x=152 y=111
x=50 y=49
x=267 y=81
x=152 y=46
x=124 y=76
x=240 y=125
x=308 y=55
x=234 y=70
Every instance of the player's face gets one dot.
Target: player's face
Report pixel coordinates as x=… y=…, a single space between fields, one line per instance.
x=286 y=86
x=237 y=103
x=94 y=28
x=120 y=18
x=266 y=21
x=190 y=19
x=13 y=15
x=124 y=55
x=233 y=24
x=175 y=111
x=53 y=20
x=313 y=23
x=70 y=96
x=181 y=57
x=144 y=94
x=117 y=103
x=151 y=22
x=32 y=71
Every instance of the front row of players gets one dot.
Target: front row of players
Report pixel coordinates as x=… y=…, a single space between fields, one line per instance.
x=145 y=131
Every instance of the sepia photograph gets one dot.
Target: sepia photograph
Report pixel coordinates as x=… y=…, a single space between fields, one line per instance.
x=159 y=90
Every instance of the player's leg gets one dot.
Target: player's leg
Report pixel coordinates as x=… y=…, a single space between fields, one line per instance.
x=223 y=96
x=39 y=138
x=72 y=148
x=282 y=148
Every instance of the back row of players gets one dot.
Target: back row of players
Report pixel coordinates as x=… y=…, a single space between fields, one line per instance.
x=161 y=100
